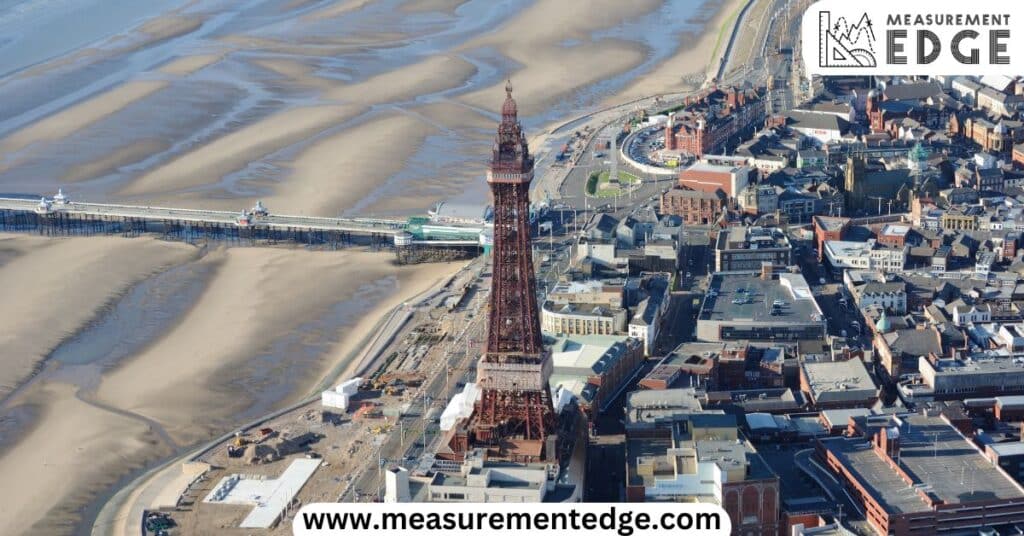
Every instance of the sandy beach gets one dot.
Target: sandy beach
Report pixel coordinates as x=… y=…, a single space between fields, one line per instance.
x=258 y=295
x=212 y=365
x=356 y=107
x=76 y=452
x=60 y=285
x=694 y=55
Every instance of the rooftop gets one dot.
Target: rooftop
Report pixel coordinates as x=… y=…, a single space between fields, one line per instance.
x=841 y=417
x=831 y=224
x=836 y=381
x=816 y=121
x=941 y=462
x=268 y=496
x=666 y=404
x=891 y=229
x=587 y=354
x=751 y=238
x=707 y=167
x=988 y=365
x=846 y=248
x=748 y=297
x=582 y=309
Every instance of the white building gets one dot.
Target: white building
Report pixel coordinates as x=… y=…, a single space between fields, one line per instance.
x=820 y=128
x=966 y=89
x=866 y=255
x=971 y=314
x=396 y=485
x=481 y=482
x=582 y=319
x=891 y=296
x=648 y=314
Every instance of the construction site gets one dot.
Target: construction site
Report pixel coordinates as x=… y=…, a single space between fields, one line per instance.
x=336 y=445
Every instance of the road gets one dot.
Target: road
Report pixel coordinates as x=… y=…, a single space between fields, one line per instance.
x=413 y=431
x=852 y=516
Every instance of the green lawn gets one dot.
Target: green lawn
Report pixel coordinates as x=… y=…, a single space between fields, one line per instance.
x=598 y=179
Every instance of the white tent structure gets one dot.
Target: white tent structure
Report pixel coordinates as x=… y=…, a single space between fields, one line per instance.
x=340 y=396
x=460 y=407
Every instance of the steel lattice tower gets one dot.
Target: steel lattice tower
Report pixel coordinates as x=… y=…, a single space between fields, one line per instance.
x=515 y=410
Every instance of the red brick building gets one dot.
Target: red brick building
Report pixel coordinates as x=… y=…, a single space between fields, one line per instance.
x=695 y=207
x=1018 y=155
x=893 y=235
x=828 y=228
x=708 y=122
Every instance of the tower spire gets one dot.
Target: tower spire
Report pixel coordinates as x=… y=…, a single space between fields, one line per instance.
x=509 y=111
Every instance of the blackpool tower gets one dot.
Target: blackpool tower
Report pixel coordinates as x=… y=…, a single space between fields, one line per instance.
x=514 y=417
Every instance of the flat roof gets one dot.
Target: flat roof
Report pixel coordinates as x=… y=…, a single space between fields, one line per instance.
x=986 y=365
x=715 y=168
x=663 y=398
x=831 y=224
x=846 y=248
x=270 y=496
x=1013 y=448
x=838 y=380
x=578 y=287
x=892 y=229
x=748 y=297
x=841 y=417
x=940 y=460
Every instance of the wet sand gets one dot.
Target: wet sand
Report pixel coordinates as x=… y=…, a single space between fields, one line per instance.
x=55 y=287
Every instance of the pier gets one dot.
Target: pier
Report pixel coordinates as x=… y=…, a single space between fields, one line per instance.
x=414 y=240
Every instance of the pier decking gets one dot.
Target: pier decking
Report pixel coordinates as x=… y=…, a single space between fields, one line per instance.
x=59 y=216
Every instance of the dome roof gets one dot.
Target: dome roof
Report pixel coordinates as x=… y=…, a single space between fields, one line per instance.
x=918 y=153
x=883 y=325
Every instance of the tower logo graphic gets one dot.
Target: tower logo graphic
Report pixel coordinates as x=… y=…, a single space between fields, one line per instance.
x=843 y=44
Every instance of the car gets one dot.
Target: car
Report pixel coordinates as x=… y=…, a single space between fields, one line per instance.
x=821 y=281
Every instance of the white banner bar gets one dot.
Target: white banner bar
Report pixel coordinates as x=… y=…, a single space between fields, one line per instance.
x=508 y=519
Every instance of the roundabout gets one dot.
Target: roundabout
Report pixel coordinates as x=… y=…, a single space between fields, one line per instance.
x=600 y=184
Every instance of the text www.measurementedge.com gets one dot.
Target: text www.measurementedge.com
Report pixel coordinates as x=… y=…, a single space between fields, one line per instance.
x=623 y=523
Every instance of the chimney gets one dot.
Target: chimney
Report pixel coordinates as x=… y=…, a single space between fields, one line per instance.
x=887 y=442
x=767 y=270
